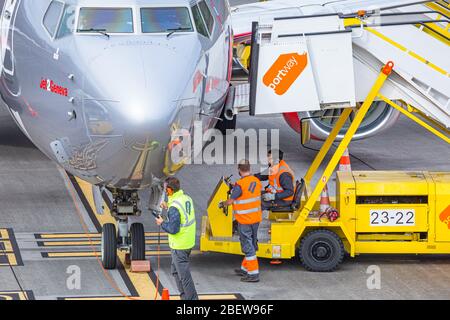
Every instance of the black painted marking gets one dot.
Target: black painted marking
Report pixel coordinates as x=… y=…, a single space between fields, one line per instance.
x=15 y=247
x=30 y=295
x=156 y=282
x=239 y=296
x=126 y=279
x=107 y=200
x=16 y=295
x=11 y=295
x=4 y=259
x=85 y=202
x=86 y=243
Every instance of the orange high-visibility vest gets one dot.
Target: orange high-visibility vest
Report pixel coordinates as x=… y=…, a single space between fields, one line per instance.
x=247 y=208
x=274 y=178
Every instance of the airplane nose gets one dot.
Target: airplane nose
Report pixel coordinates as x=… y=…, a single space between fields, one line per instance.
x=138 y=97
x=145 y=78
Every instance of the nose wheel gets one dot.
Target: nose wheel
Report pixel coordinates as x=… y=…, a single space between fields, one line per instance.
x=132 y=241
x=137 y=237
x=109 y=246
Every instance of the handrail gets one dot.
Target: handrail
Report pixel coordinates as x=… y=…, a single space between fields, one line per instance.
x=435 y=31
x=410 y=115
x=411 y=53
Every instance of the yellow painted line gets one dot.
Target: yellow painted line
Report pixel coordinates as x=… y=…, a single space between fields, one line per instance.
x=87 y=243
x=157 y=253
x=69 y=235
x=155 y=234
x=70 y=243
x=12 y=259
x=7 y=246
x=13 y=295
x=156 y=242
x=86 y=188
x=141 y=281
x=4 y=234
x=72 y=254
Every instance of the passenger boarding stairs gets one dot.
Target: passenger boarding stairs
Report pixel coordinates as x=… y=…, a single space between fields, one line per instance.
x=345 y=54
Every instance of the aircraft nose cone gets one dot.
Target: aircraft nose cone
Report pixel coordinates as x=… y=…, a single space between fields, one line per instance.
x=136 y=87
x=143 y=79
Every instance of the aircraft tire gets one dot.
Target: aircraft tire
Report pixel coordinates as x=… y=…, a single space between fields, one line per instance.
x=137 y=242
x=109 y=246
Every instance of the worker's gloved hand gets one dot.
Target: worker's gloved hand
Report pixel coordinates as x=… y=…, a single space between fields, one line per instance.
x=221 y=205
x=269 y=197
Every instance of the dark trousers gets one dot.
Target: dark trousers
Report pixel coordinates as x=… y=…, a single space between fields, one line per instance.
x=268 y=205
x=182 y=274
x=248 y=235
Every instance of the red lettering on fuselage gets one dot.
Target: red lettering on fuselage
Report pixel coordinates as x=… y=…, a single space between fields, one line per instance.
x=50 y=86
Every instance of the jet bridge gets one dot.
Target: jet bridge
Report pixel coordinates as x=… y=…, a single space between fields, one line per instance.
x=327 y=61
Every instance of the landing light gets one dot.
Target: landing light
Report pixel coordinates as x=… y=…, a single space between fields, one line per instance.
x=136 y=112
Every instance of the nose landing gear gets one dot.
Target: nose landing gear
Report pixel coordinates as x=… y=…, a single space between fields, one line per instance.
x=130 y=240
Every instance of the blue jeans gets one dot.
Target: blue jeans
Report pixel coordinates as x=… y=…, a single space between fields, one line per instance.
x=248 y=235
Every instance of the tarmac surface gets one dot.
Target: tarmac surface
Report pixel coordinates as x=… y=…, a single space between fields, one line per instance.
x=49 y=233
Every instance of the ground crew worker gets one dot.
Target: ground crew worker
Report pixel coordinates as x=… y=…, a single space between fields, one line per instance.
x=246 y=201
x=181 y=227
x=280 y=191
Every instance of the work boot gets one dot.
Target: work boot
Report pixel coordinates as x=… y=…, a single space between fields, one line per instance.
x=250 y=278
x=240 y=272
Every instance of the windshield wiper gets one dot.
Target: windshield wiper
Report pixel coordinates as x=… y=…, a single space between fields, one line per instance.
x=101 y=31
x=172 y=31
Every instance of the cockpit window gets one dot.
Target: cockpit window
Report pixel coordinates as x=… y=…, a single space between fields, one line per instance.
x=52 y=17
x=67 y=24
x=159 y=20
x=108 y=20
x=207 y=16
x=199 y=22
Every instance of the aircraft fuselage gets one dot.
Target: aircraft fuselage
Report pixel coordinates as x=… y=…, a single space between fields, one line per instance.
x=103 y=101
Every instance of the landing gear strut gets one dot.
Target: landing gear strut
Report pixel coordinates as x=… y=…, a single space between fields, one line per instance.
x=131 y=240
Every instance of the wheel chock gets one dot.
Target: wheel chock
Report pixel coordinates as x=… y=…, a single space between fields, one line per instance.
x=140 y=266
